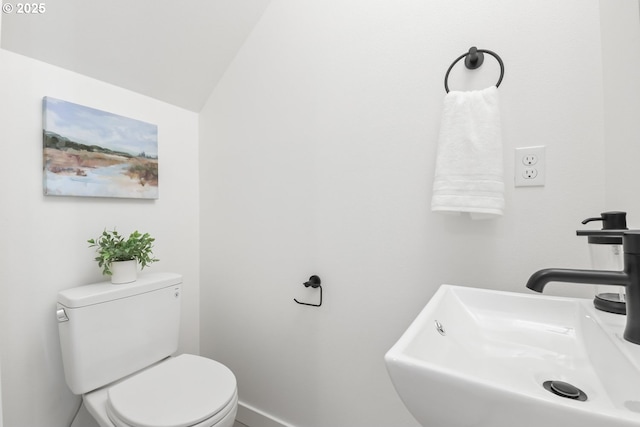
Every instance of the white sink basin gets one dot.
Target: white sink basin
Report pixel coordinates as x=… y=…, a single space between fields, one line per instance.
x=488 y=367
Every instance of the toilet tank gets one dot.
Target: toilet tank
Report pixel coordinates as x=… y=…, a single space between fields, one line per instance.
x=110 y=331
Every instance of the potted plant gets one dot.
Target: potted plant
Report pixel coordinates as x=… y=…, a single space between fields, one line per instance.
x=118 y=257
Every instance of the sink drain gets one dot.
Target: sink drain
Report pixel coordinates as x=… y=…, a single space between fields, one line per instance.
x=564 y=389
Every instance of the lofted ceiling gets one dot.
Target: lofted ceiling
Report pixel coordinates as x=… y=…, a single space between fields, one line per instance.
x=174 y=51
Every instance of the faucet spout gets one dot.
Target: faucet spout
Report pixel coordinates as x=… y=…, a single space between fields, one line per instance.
x=629 y=277
x=539 y=279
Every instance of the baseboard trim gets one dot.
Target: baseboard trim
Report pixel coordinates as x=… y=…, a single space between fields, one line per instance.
x=254 y=417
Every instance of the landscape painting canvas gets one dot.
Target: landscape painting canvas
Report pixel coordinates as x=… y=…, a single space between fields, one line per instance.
x=89 y=152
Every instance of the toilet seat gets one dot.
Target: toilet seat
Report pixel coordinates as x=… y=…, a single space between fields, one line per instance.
x=185 y=391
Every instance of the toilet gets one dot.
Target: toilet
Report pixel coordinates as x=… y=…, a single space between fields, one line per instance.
x=117 y=345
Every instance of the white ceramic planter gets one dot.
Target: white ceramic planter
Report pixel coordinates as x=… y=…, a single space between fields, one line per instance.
x=124 y=272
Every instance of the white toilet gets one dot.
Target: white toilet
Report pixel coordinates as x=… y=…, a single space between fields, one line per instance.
x=117 y=342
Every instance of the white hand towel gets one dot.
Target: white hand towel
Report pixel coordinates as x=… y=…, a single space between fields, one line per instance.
x=469 y=174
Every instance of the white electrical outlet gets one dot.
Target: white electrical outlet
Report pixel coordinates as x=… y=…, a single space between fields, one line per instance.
x=529 y=166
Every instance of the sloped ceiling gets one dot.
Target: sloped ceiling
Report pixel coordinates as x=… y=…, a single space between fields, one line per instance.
x=174 y=51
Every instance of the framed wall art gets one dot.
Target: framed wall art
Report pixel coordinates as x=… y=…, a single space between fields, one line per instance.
x=93 y=153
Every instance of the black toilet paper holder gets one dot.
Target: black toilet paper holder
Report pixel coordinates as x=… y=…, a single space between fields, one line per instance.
x=315 y=282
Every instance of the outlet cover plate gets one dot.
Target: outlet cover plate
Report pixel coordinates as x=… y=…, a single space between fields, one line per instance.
x=529 y=166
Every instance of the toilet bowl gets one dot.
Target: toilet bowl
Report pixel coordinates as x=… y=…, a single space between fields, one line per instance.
x=181 y=391
x=117 y=343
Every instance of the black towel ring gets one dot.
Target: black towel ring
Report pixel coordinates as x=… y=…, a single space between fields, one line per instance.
x=474 y=59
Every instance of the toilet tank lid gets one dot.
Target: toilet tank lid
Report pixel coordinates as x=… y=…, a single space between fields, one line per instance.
x=97 y=293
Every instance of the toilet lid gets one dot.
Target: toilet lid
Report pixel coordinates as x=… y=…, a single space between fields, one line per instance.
x=180 y=392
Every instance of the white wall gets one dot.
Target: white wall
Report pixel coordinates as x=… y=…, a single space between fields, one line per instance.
x=317 y=151
x=0 y=323
x=43 y=246
x=621 y=64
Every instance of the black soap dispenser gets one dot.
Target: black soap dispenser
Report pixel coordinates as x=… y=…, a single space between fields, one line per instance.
x=605 y=248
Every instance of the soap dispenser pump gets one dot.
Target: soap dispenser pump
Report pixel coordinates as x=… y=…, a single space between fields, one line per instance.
x=605 y=249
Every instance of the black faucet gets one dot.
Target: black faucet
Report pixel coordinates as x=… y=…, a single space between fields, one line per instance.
x=629 y=277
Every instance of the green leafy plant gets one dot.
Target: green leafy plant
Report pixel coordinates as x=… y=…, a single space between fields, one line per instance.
x=112 y=246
